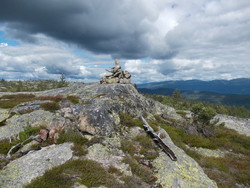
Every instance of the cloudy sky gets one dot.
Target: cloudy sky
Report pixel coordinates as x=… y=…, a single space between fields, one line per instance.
x=155 y=40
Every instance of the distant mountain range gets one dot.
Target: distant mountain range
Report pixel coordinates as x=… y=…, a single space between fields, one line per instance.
x=237 y=86
x=228 y=92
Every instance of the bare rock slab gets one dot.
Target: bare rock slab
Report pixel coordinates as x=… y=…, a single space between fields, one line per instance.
x=185 y=172
x=22 y=171
x=242 y=126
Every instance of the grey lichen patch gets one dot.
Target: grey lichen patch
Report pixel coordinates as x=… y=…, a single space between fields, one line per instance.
x=109 y=156
x=4 y=113
x=185 y=172
x=23 y=170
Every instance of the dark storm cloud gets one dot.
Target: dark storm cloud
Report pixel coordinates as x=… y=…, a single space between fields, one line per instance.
x=114 y=27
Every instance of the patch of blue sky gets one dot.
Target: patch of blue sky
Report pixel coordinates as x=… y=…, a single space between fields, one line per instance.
x=9 y=41
x=88 y=55
x=146 y=59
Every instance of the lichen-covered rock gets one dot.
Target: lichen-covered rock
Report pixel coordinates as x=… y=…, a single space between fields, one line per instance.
x=27 y=107
x=102 y=104
x=16 y=124
x=4 y=114
x=109 y=155
x=241 y=125
x=23 y=170
x=185 y=172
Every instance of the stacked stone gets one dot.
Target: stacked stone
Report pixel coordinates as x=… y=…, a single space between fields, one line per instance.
x=117 y=75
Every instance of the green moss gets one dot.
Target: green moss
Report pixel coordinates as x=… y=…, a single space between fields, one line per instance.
x=73 y=99
x=50 y=106
x=85 y=172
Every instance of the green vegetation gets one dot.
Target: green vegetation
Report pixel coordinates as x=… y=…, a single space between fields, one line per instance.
x=143 y=172
x=187 y=104
x=148 y=147
x=227 y=171
x=5 y=145
x=73 y=99
x=80 y=142
x=10 y=101
x=30 y=86
x=50 y=106
x=128 y=146
x=84 y=171
x=128 y=121
x=203 y=114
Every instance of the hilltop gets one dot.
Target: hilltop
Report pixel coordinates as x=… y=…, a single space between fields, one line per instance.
x=91 y=135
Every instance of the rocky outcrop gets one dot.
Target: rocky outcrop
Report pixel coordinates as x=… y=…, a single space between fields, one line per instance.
x=16 y=124
x=241 y=125
x=101 y=104
x=185 y=172
x=98 y=114
x=21 y=171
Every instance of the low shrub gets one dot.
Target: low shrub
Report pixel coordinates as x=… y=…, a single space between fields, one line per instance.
x=50 y=106
x=72 y=136
x=86 y=172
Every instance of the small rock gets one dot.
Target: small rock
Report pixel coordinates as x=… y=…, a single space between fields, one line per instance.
x=84 y=125
x=44 y=134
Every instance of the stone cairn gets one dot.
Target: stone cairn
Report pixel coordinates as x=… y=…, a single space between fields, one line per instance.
x=117 y=75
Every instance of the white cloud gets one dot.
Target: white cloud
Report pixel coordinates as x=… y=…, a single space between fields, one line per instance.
x=3 y=45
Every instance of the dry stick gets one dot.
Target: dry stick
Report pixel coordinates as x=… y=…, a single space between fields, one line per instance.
x=19 y=145
x=158 y=140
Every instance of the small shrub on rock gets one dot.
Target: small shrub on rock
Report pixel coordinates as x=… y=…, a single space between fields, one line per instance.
x=50 y=106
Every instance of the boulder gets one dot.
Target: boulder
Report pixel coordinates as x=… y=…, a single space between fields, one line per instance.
x=185 y=172
x=241 y=125
x=22 y=171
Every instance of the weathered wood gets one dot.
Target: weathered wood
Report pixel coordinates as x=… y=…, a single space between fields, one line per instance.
x=158 y=140
x=20 y=145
